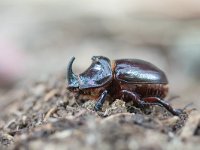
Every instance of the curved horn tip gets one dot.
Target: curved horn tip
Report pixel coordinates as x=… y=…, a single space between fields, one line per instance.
x=72 y=59
x=71 y=62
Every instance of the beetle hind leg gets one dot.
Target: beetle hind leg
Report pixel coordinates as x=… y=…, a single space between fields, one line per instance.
x=158 y=101
x=127 y=95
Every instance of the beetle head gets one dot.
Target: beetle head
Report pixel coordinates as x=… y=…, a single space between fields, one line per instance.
x=97 y=76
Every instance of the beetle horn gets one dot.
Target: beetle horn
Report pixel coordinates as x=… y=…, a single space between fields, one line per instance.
x=71 y=77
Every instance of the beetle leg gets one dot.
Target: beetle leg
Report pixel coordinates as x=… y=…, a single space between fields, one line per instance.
x=100 y=101
x=160 y=102
x=149 y=101
x=127 y=95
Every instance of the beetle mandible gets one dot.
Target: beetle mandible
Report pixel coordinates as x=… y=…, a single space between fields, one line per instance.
x=127 y=79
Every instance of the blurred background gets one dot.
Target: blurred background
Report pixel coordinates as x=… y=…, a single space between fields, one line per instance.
x=38 y=37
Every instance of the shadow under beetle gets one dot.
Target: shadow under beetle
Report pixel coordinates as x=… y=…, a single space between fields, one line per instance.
x=127 y=79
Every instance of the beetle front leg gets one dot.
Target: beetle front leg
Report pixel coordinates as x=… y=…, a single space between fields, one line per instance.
x=150 y=100
x=100 y=101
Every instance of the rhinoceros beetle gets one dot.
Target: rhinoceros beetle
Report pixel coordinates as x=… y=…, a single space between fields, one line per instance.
x=127 y=79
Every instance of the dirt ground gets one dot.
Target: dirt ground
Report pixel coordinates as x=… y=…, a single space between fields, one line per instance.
x=44 y=115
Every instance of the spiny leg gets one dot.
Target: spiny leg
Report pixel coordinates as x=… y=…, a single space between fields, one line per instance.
x=160 y=102
x=100 y=101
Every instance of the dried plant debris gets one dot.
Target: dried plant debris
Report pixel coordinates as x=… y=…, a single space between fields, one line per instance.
x=43 y=115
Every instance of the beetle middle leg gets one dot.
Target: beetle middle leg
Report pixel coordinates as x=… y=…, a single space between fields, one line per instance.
x=162 y=103
x=100 y=101
x=130 y=96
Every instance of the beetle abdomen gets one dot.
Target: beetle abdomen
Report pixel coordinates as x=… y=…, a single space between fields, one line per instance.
x=147 y=90
x=138 y=71
x=152 y=90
